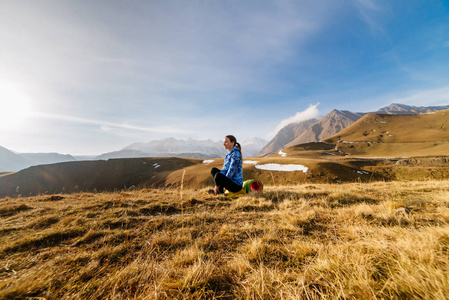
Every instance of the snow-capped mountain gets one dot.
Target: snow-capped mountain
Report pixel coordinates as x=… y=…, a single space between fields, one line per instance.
x=174 y=146
x=252 y=146
x=399 y=109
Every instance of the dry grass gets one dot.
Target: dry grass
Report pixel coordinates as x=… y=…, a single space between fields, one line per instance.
x=312 y=241
x=380 y=135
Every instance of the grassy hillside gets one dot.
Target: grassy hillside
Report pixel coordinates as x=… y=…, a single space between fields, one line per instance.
x=324 y=165
x=116 y=174
x=90 y=176
x=308 y=241
x=377 y=135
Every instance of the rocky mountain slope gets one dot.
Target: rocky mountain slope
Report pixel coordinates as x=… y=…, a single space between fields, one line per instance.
x=330 y=124
x=285 y=136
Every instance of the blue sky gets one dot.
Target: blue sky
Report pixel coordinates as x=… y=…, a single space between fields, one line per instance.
x=88 y=77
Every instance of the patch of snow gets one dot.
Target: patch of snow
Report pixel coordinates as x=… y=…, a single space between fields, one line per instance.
x=250 y=162
x=283 y=168
x=362 y=172
x=283 y=154
x=208 y=161
x=156 y=165
x=329 y=153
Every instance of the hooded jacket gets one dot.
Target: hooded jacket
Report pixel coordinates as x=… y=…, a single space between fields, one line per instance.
x=232 y=166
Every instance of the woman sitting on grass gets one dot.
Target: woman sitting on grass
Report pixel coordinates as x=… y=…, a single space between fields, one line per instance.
x=231 y=176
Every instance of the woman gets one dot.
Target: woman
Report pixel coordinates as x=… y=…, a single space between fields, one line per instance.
x=231 y=176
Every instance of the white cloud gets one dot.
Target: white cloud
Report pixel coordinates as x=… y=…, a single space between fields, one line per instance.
x=310 y=113
x=433 y=97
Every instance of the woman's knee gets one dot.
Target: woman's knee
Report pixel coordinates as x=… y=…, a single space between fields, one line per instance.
x=214 y=171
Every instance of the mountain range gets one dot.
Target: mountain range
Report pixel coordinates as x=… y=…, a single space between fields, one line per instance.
x=332 y=123
x=169 y=147
x=312 y=130
x=403 y=109
x=11 y=161
x=190 y=148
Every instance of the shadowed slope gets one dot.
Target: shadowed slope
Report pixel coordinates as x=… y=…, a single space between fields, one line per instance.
x=91 y=175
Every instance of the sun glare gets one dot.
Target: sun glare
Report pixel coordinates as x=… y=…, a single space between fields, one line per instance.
x=14 y=108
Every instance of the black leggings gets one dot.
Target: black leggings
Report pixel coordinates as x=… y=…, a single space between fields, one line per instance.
x=221 y=181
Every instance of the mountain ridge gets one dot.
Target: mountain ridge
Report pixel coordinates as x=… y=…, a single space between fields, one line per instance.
x=311 y=131
x=285 y=135
x=335 y=121
x=328 y=125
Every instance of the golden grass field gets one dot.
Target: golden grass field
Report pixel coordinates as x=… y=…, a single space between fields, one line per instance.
x=380 y=240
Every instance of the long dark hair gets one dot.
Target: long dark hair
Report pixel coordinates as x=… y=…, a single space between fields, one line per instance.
x=232 y=139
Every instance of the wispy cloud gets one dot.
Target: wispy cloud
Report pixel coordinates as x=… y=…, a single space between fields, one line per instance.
x=310 y=113
x=367 y=10
x=210 y=45
x=432 y=97
x=107 y=126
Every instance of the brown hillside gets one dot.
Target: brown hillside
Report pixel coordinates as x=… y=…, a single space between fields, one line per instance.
x=324 y=165
x=319 y=170
x=116 y=174
x=88 y=176
x=396 y=135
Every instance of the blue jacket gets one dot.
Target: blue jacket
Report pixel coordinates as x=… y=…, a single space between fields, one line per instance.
x=232 y=166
